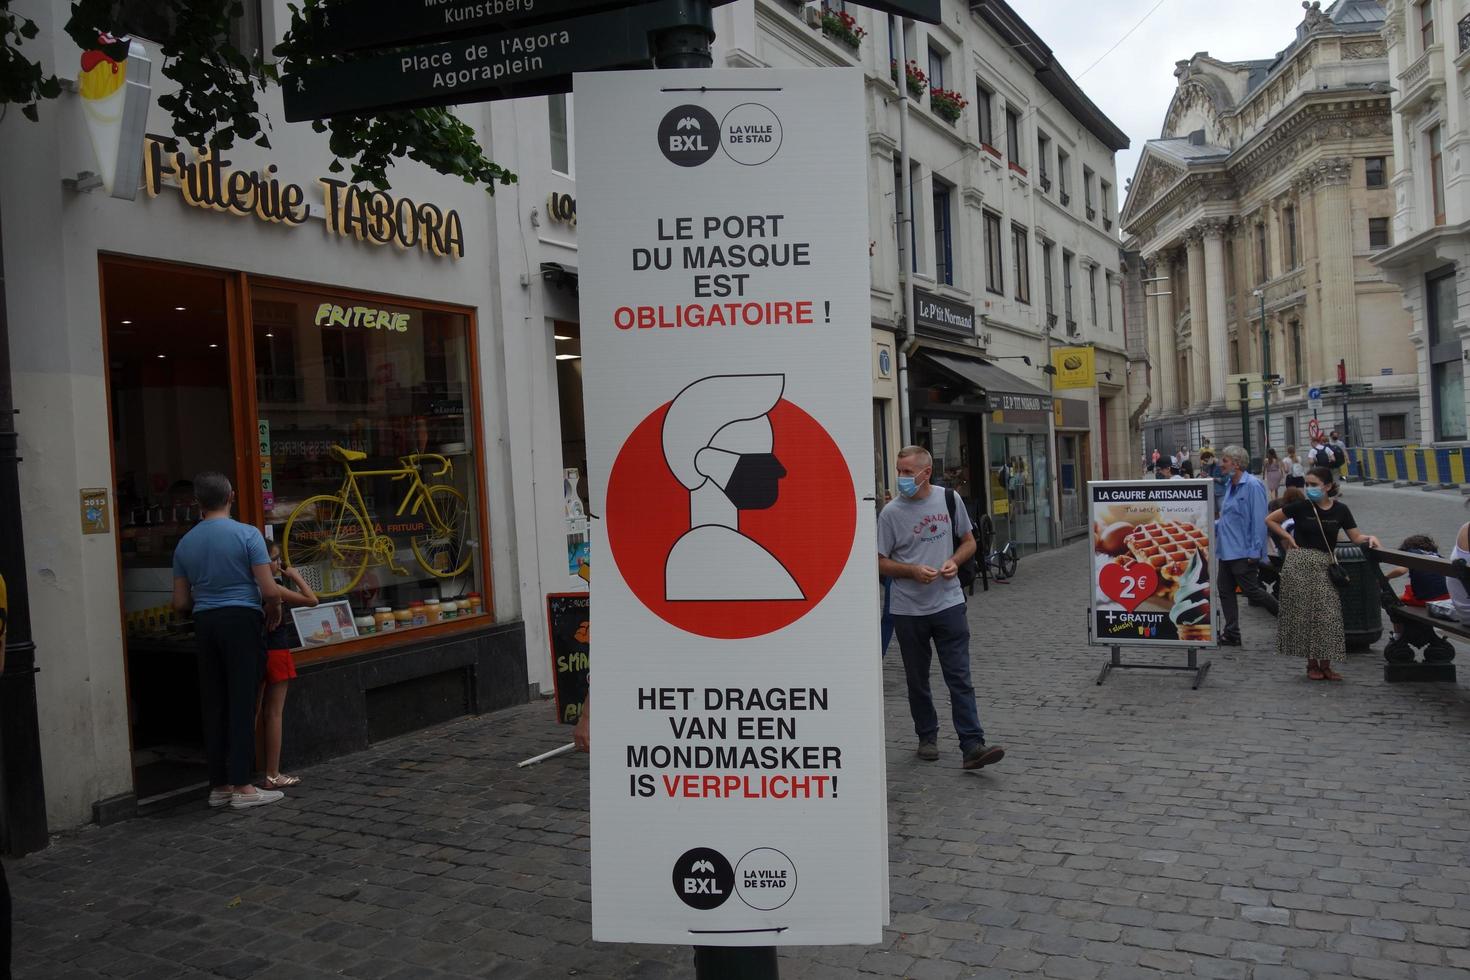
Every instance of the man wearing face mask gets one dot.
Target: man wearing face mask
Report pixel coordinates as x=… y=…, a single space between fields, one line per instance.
x=916 y=549
x=1240 y=541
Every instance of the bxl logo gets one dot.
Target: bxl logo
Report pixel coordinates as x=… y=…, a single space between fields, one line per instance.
x=688 y=135
x=703 y=878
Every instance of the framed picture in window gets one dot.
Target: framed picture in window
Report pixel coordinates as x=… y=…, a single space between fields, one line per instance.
x=327 y=622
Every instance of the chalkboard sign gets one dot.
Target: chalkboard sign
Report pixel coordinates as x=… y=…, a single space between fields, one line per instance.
x=566 y=625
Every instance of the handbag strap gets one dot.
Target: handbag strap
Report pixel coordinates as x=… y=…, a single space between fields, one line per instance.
x=954 y=535
x=1331 y=545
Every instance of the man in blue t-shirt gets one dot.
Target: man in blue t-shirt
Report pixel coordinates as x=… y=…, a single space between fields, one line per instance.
x=916 y=549
x=223 y=573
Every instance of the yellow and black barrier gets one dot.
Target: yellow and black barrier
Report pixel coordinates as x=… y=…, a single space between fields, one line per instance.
x=1417 y=464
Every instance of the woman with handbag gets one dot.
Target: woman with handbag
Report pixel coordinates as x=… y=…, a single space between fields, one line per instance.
x=1310 y=622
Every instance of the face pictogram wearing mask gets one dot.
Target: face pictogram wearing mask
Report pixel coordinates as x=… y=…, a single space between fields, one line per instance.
x=718 y=442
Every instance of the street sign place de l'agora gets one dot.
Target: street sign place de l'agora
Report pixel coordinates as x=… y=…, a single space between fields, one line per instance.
x=466 y=51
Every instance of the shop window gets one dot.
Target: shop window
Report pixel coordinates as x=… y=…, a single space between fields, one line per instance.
x=943 y=242
x=1436 y=174
x=1378 y=235
x=1048 y=256
x=1447 y=378
x=1374 y=174
x=994 y=264
x=1021 y=247
x=369 y=455
x=1288 y=231
x=983 y=110
x=557 y=110
x=1392 y=428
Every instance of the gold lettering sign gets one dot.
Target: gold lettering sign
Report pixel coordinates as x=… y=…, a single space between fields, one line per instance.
x=205 y=180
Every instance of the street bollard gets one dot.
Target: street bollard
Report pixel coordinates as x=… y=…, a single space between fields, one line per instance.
x=736 y=963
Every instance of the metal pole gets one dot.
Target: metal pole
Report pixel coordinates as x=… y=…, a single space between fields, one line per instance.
x=1245 y=415
x=904 y=217
x=22 y=789
x=688 y=46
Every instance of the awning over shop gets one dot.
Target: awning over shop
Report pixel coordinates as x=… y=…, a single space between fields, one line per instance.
x=1003 y=390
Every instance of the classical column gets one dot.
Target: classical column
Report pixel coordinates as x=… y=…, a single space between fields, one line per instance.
x=1214 y=230
x=1168 y=345
x=1199 y=320
x=1338 y=324
x=1155 y=351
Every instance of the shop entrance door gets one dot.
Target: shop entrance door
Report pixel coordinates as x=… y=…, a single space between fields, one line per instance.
x=169 y=378
x=1019 y=464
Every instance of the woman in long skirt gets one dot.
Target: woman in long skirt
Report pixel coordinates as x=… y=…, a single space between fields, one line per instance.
x=1310 y=622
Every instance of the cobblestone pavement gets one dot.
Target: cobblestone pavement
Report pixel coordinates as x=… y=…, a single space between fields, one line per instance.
x=1262 y=827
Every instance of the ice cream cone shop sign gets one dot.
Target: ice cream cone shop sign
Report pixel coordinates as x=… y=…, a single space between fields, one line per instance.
x=206 y=180
x=1152 y=549
x=115 y=89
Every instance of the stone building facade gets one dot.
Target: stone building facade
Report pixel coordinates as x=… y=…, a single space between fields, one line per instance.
x=1266 y=196
x=1429 y=259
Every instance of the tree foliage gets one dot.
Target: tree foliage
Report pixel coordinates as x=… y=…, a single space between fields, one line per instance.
x=217 y=99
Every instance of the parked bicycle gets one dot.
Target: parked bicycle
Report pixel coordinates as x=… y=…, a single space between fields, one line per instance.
x=1000 y=563
x=331 y=532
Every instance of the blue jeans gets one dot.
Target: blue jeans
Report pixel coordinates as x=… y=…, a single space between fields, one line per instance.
x=950 y=633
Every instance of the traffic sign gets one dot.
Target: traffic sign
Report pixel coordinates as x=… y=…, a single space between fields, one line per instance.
x=529 y=60
x=358 y=24
x=1314 y=394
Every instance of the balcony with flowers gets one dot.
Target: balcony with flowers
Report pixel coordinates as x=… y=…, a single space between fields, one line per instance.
x=839 y=25
x=947 y=103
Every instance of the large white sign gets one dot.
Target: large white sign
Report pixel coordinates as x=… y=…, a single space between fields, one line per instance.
x=737 y=782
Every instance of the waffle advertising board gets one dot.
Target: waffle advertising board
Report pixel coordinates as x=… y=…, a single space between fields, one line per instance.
x=737 y=780
x=1153 y=548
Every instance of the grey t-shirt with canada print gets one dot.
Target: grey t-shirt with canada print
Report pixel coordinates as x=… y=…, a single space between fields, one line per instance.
x=917 y=532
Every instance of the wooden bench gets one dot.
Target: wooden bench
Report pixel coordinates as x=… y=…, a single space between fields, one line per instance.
x=1401 y=613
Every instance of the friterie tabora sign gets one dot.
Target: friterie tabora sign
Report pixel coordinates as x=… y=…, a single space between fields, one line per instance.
x=1152 y=544
x=737 y=782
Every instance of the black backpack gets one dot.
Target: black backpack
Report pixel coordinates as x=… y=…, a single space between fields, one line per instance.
x=970 y=568
x=1324 y=456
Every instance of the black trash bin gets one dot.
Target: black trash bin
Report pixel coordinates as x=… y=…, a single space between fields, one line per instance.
x=1362 y=610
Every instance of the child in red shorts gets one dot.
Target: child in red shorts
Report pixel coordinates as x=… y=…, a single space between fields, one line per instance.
x=280 y=667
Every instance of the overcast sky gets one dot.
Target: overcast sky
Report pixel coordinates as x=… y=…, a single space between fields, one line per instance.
x=1134 y=83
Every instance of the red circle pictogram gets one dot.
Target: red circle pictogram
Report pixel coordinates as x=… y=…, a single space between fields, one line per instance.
x=810 y=529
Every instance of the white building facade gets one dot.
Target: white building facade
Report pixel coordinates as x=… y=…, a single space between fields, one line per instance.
x=1429 y=259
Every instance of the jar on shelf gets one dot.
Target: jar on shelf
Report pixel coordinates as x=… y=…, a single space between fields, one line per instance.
x=383 y=619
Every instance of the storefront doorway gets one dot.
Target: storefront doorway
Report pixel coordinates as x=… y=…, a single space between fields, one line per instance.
x=167 y=336
x=1019 y=470
x=567 y=337
x=954 y=442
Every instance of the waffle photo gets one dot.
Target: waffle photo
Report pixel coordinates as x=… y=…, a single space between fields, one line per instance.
x=1151 y=548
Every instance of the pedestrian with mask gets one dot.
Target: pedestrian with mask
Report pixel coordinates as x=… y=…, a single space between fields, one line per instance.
x=1311 y=612
x=917 y=535
x=1240 y=536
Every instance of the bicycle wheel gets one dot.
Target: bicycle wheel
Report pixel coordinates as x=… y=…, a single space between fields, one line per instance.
x=326 y=534
x=1008 y=561
x=445 y=550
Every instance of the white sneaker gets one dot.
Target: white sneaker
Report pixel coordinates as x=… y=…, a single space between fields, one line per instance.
x=244 y=801
x=219 y=797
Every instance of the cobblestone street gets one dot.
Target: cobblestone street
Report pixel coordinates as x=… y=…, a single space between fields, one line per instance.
x=1261 y=827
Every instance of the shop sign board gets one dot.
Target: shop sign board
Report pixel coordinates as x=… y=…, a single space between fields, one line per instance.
x=358 y=24
x=936 y=314
x=528 y=60
x=1076 y=367
x=737 y=773
x=1152 y=560
x=568 y=622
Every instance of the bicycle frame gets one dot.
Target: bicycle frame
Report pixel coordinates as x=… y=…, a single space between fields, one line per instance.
x=417 y=493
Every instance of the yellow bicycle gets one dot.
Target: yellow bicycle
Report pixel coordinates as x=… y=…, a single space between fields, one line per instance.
x=329 y=531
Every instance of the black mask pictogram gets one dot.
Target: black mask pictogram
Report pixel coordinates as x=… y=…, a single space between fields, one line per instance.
x=755 y=482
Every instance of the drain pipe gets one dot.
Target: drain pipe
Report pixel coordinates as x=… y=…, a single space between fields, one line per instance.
x=904 y=196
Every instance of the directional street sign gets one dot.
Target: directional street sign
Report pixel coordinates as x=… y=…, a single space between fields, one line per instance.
x=1314 y=394
x=359 y=24
x=531 y=60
